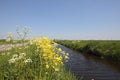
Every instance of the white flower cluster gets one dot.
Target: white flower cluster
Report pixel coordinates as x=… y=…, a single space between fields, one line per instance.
x=17 y=57
x=28 y=60
x=9 y=37
x=13 y=59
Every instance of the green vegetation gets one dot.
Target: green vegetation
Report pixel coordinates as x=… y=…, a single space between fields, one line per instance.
x=3 y=41
x=109 y=49
x=35 y=61
x=40 y=59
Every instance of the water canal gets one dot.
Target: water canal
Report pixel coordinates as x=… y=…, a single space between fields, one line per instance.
x=91 y=67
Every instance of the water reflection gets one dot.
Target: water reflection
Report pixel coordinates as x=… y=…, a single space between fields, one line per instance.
x=91 y=67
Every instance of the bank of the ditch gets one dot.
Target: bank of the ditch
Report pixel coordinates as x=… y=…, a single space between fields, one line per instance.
x=38 y=60
x=108 y=49
x=3 y=41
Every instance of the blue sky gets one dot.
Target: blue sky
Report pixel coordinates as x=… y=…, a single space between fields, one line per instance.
x=62 y=19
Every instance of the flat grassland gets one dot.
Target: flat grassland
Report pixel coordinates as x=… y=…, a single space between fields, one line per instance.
x=109 y=49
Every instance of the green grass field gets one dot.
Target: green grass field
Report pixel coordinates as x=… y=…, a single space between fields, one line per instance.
x=109 y=49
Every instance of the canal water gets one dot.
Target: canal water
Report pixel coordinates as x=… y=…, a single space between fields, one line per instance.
x=91 y=67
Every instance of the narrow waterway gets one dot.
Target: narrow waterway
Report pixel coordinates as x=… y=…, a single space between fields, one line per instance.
x=91 y=67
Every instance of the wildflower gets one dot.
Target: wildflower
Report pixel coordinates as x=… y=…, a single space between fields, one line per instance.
x=9 y=36
x=67 y=54
x=8 y=39
x=51 y=55
x=47 y=66
x=15 y=56
x=55 y=63
x=56 y=69
x=22 y=55
x=58 y=59
x=59 y=49
x=12 y=60
x=66 y=57
x=46 y=73
x=28 y=60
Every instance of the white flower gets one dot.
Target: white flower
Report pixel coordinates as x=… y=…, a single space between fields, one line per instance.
x=23 y=54
x=67 y=54
x=20 y=57
x=12 y=60
x=9 y=36
x=15 y=56
x=8 y=39
x=28 y=60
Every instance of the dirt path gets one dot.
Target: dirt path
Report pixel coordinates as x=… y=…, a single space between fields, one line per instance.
x=4 y=47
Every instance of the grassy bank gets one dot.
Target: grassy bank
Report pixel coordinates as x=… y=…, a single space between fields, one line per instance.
x=109 y=49
x=3 y=41
x=40 y=60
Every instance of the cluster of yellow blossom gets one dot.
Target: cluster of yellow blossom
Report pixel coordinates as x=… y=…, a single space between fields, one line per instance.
x=49 y=53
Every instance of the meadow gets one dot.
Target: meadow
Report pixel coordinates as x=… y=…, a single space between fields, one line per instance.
x=39 y=60
x=108 y=49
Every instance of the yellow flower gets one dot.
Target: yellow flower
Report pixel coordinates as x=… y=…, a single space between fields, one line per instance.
x=46 y=73
x=59 y=49
x=47 y=66
x=44 y=55
x=58 y=59
x=56 y=63
x=48 y=54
